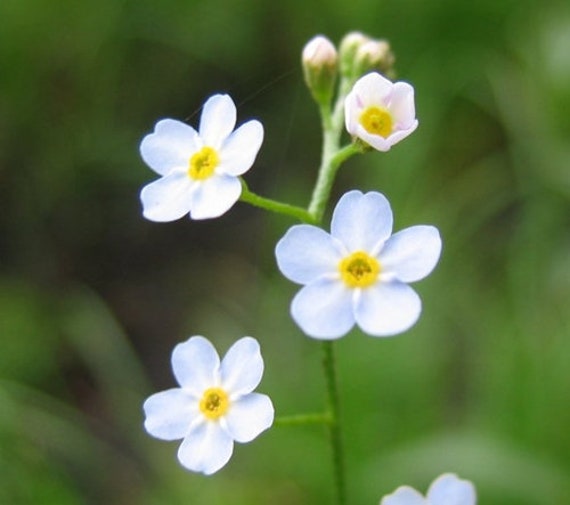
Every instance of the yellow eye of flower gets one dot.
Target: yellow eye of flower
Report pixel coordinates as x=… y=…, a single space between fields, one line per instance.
x=214 y=403
x=359 y=270
x=377 y=121
x=203 y=163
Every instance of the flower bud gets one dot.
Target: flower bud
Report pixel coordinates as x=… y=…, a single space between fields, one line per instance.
x=349 y=45
x=374 y=55
x=320 y=61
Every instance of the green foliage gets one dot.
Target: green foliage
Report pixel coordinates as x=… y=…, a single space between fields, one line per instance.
x=92 y=297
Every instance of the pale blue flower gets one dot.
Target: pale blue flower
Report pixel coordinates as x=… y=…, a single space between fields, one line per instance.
x=200 y=169
x=215 y=404
x=359 y=273
x=447 y=489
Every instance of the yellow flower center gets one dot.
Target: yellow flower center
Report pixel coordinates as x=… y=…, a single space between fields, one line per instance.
x=214 y=403
x=203 y=163
x=359 y=270
x=377 y=121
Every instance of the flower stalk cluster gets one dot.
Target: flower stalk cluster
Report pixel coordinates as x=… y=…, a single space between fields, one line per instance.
x=358 y=274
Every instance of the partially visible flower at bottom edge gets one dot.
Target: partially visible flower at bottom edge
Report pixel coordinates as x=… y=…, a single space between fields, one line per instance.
x=447 y=489
x=214 y=406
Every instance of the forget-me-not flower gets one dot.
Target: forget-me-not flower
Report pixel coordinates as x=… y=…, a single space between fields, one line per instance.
x=215 y=404
x=447 y=489
x=199 y=169
x=359 y=273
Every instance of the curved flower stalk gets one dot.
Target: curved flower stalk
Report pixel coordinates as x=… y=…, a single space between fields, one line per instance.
x=447 y=489
x=380 y=112
x=359 y=273
x=200 y=169
x=214 y=406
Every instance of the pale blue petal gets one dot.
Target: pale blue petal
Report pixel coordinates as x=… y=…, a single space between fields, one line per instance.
x=411 y=254
x=387 y=308
x=249 y=416
x=170 y=146
x=404 y=495
x=242 y=367
x=239 y=150
x=168 y=198
x=402 y=105
x=217 y=120
x=215 y=196
x=323 y=309
x=206 y=449
x=170 y=413
x=306 y=253
x=196 y=365
x=448 y=489
x=362 y=221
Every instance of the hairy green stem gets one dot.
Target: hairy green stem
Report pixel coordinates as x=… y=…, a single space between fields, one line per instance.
x=275 y=206
x=332 y=158
x=332 y=155
x=325 y=181
x=333 y=407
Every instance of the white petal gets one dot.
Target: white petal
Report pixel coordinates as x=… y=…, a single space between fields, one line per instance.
x=373 y=89
x=242 y=367
x=215 y=196
x=398 y=135
x=167 y=198
x=411 y=254
x=218 y=120
x=306 y=253
x=352 y=112
x=206 y=449
x=362 y=221
x=239 y=150
x=387 y=308
x=404 y=495
x=170 y=146
x=196 y=365
x=323 y=309
x=402 y=105
x=448 y=489
x=170 y=413
x=376 y=141
x=249 y=416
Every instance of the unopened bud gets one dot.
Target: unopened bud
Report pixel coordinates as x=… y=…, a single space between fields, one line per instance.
x=348 y=48
x=320 y=63
x=374 y=55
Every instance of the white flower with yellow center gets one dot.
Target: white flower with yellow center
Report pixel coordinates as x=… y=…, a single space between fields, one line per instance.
x=199 y=170
x=359 y=272
x=214 y=406
x=380 y=112
x=447 y=489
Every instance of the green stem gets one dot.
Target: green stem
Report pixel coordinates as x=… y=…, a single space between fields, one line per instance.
x=332 y=156
x=275 y=206
x=334 y=426
x=325 y=181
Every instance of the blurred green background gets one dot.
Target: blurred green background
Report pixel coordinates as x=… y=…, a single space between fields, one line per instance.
x=93 y=297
